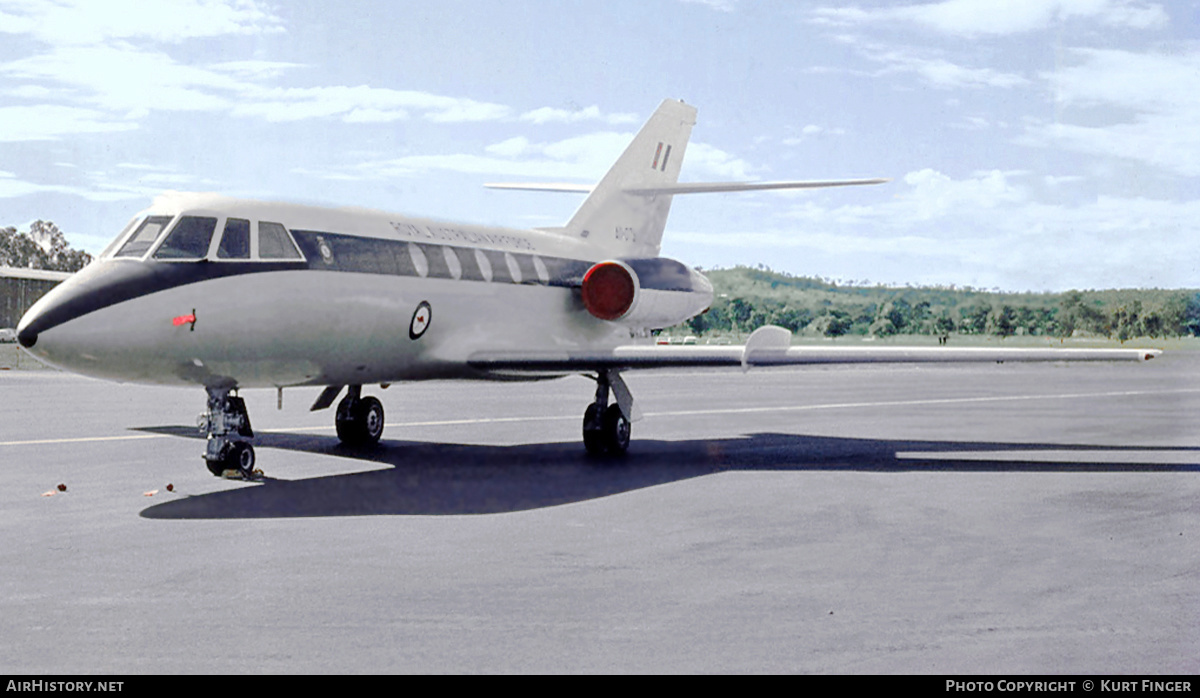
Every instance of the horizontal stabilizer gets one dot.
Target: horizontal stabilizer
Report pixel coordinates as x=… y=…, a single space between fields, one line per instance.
x=708 y=187
x=543 y=186
x=684 y=187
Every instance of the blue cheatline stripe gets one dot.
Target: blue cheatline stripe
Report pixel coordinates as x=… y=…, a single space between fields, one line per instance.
x=117 y=280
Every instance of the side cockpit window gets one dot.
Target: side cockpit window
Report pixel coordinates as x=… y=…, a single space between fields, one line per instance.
x=144 y=236
x=235 y=241
x=275 y=243
x=189 y=239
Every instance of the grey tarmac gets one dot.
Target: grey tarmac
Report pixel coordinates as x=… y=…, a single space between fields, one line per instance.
x=874 y=519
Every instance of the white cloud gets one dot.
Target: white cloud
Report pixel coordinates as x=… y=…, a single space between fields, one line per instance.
x=509 y=148
x=935 y=70
x=989 y=17
x=119 y=64
x=719 y=5
x=82 y=22
x=985 y=230
x=121 y=77
x=592 y=113
x=12 y=187
x=813 y=131
x=1138 y=106
x=49 y=122
x=935 y=195
x=704 y=162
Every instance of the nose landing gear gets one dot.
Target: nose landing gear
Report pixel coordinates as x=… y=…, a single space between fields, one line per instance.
x=226 y=416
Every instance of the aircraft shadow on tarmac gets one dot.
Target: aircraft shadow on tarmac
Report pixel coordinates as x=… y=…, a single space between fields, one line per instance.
x=453 y=479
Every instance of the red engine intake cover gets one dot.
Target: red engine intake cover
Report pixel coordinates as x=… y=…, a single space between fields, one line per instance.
x=608 y=290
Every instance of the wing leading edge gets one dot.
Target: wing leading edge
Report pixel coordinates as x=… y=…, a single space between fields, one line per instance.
x=770 y=346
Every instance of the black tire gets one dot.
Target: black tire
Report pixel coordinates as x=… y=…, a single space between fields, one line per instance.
x=344 y=420
x=359 y=422
x=616 y=430
x=370 y=415
x=241 y=458
x=216 y=467
x=593 y=432
x=238 y=455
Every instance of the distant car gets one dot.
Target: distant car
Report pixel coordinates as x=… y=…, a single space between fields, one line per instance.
x=8 y=335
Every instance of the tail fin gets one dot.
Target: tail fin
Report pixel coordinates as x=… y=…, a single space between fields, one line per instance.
x=624 y=224
x=626 y=213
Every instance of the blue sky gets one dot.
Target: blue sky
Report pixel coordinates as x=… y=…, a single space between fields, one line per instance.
x=1032 y=144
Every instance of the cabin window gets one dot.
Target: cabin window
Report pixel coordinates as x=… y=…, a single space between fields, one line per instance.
x=189 y=239
x=235 y=241
x=514 y=270
x=456 y=270
x=420 y=262
x=539 y=266
x=275 y=243
x=144 y=236
x=497 y=266
x=485 y=266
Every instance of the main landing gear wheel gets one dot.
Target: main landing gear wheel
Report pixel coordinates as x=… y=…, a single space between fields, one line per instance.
x=608 y=435
x=606 y=427
x=359 y=421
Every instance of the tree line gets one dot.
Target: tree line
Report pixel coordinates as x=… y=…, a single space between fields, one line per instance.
x=43 y=246
x=748 y=298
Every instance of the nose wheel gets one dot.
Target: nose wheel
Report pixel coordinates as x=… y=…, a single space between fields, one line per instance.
x=238 y=458
x=226 y=418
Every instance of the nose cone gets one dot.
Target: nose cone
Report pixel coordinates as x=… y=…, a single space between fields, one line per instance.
x=27 y=336
x=61 y=304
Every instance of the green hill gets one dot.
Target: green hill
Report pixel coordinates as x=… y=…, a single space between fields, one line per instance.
x=747 y=298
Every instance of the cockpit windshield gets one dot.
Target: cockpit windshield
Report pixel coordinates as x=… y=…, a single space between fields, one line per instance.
x=189 y=239
x=144 y=236
x=195 y=238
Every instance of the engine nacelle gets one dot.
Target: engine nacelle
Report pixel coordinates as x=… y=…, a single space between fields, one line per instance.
x=645 y=293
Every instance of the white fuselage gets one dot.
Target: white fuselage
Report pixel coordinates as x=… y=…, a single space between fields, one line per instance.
x=371 y=298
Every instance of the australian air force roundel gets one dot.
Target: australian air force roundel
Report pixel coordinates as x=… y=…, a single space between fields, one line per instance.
x=421 y=318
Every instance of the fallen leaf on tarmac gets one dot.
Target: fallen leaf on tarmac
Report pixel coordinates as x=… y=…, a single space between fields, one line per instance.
x=151 y=493
x=48 y=493
x=62 y=487
x=170 y=487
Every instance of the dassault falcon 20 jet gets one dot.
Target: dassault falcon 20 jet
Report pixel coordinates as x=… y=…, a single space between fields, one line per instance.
x=230 y=294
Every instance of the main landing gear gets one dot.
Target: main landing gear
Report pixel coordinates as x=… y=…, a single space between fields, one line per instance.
x=606 y=426
x=226 y=417
x=359 y=420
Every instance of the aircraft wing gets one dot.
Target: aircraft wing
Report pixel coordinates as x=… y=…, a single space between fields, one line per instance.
x=771 y=346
